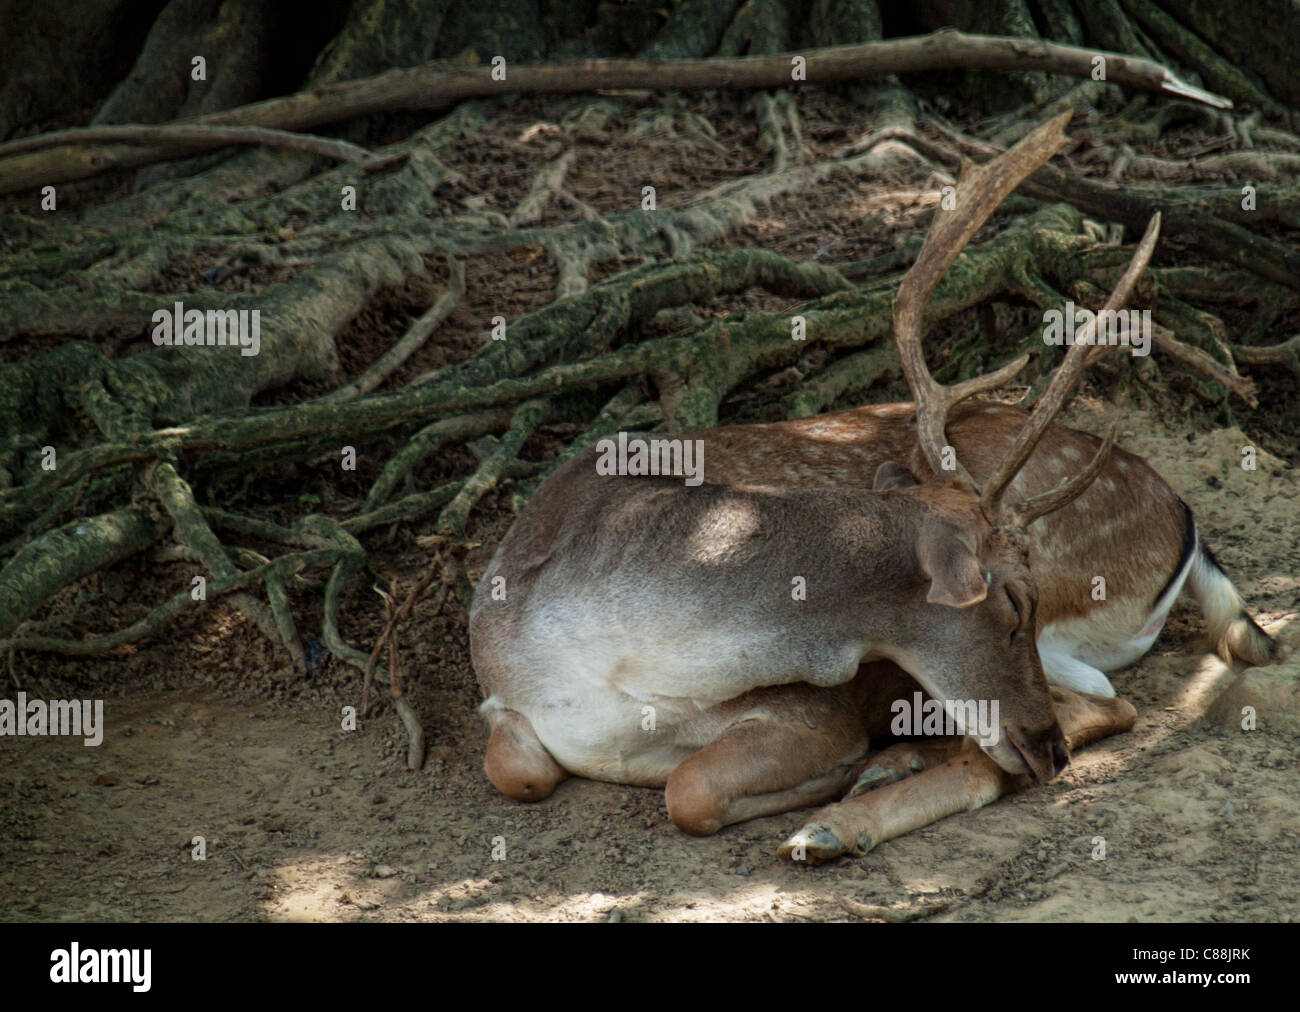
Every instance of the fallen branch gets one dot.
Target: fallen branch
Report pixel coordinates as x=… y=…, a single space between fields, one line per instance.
x=438 y=85
x=893 y=915
x=179 y=140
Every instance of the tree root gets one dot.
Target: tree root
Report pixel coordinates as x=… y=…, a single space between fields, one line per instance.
x=1231 y=243
x=452 y=520
x=1035 y=260
x=853 y=372
x=411 y=342
x=1192 y=52
x=1286 y=354
x=155 y=621
x=546 y=184
x=193 y=531
x=1196 y=359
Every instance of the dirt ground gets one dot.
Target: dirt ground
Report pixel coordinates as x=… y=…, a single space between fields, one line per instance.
x=208 y=735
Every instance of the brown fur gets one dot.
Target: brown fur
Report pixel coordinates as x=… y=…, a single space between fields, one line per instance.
x=1128 y=525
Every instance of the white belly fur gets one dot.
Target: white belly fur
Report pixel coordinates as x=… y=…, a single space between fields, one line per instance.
x=591 y=688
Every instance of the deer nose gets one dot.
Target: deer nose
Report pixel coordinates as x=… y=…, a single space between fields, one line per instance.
x=1053 y=750
x=1060 y=754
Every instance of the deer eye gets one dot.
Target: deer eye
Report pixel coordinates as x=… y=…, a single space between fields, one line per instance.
x=1023 y=604
x=1015 y=610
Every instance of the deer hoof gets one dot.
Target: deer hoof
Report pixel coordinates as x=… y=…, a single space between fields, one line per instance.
x=813 y=843
x=871 y=778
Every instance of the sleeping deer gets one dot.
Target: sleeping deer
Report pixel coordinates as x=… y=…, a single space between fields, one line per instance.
x=730 y=641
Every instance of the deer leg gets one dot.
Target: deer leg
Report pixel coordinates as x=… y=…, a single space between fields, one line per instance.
x=1085 y=719
x=1071 y=673
x=801 y=751
x=890 y=765
x=964 y=783
x=517 y=762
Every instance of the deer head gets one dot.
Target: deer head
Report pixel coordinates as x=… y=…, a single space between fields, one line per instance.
x=989 y=582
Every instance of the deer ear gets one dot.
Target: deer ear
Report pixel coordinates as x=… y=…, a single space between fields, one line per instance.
x=953 y=569
x=891 y=475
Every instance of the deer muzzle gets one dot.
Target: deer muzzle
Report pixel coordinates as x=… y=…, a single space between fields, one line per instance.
x=1041 y=754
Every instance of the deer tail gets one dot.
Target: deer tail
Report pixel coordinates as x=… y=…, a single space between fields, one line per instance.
x=1235 y=636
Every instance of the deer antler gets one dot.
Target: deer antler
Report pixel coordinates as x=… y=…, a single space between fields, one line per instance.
x=1049 y=405
x=981 y=190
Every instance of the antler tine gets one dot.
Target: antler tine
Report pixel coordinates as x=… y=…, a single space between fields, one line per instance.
x=1050 y=404
x=1029 y=510
x=980 y=191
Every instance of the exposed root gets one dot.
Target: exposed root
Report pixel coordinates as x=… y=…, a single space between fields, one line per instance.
x=546 y=185
x=410 y=342
x=452 y=520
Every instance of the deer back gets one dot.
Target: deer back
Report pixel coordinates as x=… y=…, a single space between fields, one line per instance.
x=1129 y=525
